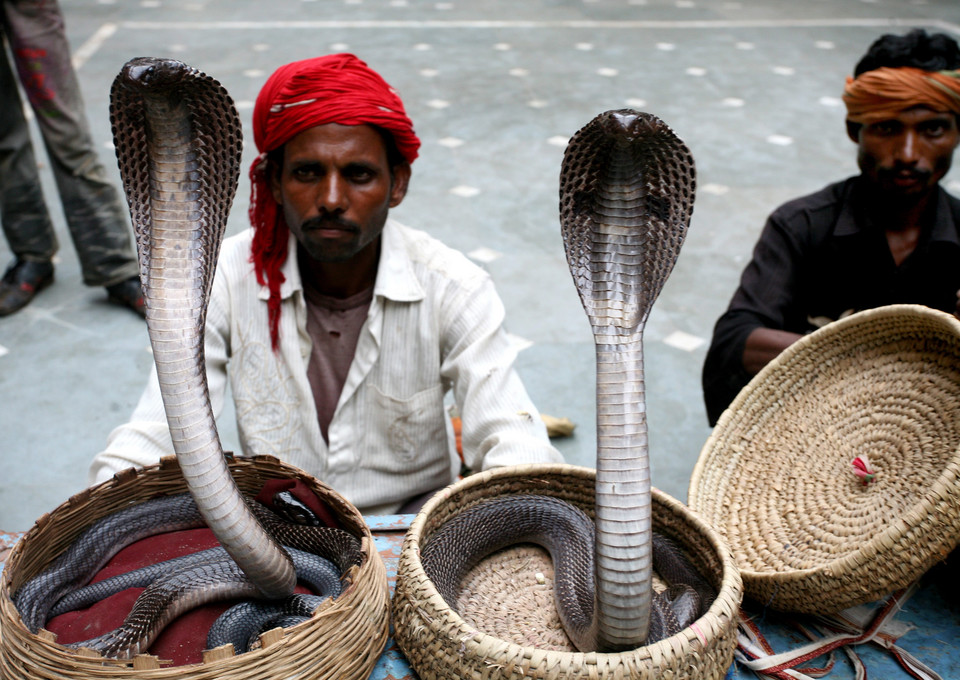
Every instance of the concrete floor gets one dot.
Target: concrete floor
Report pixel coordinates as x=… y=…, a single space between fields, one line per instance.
x=495 y=89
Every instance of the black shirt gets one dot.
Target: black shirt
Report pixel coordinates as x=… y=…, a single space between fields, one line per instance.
x=820 y=257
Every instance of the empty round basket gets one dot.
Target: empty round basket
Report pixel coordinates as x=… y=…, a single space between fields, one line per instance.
x=834 y=476
x=343 y=639
x=439 y=643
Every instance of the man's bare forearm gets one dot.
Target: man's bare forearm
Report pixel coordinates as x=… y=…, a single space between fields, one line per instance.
x=763 y=345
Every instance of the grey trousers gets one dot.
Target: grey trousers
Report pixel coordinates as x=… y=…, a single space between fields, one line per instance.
x=34 y=40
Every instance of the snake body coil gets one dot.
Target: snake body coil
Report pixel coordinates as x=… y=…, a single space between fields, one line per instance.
x=178 y=139
x=567 y=533
x=177 y=136
x=91 y=551
x=626 y=196
x=321 y=555
x=320 y=578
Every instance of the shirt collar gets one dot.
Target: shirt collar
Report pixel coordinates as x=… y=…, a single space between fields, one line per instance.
x=396 y=279
x=395 y=275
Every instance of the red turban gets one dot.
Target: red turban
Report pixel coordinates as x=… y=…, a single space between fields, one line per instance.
x=338 y=88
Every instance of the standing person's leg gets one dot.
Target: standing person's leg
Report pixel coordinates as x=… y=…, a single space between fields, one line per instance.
x=95 y=215
x=23 y=212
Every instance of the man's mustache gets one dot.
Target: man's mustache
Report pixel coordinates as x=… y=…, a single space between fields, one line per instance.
x=330 y=222
x=902 y=172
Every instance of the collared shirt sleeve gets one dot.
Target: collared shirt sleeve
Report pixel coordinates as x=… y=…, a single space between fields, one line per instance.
x=501 y=425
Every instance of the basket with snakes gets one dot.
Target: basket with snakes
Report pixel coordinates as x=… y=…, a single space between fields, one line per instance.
x=626 y=192
x=343 y=638
x=834 y=475
x=177 y=135
x=504 y=623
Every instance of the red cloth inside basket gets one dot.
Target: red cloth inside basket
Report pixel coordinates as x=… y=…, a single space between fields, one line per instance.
x=184 y=640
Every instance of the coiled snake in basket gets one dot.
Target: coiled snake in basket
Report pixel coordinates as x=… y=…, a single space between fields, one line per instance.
x=179 y=141
x=626 y=196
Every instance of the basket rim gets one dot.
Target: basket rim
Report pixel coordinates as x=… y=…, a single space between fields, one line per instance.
x=822 y=336
x=730 y=583
x=91 y=494
x=927 y=497
x=370 y=583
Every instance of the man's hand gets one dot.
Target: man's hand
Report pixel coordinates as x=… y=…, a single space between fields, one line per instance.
x=956 y=312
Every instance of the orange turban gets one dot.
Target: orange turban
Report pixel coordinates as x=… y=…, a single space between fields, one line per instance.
x=883 y=93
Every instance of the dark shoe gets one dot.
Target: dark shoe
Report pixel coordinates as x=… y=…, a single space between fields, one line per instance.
x=22 y=281
x=128 y=294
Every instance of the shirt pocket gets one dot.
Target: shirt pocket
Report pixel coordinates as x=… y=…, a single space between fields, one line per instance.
x=414 y=431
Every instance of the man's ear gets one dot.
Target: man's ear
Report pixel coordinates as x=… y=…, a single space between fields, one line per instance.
x=400 y=176
x=853 y=131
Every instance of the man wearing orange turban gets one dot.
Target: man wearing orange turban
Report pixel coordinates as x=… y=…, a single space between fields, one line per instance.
x=888 y=235
x=342 y=329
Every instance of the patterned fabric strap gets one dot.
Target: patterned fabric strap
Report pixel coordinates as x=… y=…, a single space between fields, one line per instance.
x=840 y=631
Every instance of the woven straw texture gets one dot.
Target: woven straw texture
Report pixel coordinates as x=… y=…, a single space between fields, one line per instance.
x=775 y=477
x=440 y=644
x=344 y=638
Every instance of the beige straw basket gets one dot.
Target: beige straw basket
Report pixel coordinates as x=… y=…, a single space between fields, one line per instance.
x=440 y=644
x=344 y=639
x=776 y=478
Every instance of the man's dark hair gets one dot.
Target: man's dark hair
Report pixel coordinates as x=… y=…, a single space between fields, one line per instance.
x=919 y=49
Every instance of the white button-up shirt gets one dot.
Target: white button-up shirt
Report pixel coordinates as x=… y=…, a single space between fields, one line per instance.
x=435 y=324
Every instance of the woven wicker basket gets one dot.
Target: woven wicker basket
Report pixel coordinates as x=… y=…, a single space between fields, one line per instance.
x=344 y=639
x=775 y=477
x=440 y=644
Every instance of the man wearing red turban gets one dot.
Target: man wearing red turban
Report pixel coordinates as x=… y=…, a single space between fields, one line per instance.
x=888 y=235
x=340 y=329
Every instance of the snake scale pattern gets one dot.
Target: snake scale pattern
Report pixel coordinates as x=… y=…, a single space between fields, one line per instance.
x=178 y=140
x=324 y=558
x=567 y=533
x=627 y=186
